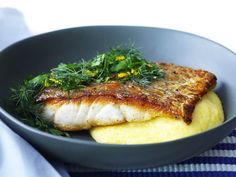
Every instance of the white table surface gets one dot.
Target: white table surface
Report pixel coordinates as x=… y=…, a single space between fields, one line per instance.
x=214 y=19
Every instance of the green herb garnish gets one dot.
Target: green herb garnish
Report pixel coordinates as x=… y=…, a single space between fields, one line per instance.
x=119 y=64
x=23 y=96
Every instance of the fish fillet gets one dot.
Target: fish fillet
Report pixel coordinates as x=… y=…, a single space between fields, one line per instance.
x=112 y=103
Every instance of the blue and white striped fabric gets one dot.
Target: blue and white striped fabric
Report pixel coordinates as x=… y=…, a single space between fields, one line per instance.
x=220 y=161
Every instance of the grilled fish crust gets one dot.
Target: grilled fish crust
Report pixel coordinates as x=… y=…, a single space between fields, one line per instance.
x=175 y=96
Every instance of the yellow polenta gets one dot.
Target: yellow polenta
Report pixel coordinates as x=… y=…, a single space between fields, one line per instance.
x=207 y=114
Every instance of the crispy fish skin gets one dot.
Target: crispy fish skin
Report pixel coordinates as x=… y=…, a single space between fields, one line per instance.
x=111 y=103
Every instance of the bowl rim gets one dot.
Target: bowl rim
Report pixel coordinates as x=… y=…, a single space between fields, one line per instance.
x=94 y=143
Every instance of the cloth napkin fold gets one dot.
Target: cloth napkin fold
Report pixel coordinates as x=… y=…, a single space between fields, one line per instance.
x=19 y=159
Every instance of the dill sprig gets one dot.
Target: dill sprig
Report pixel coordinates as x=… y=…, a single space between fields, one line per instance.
x=119 y=64
x=23 y=96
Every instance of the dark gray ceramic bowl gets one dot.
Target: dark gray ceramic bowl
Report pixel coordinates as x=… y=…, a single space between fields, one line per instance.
x=40 y=53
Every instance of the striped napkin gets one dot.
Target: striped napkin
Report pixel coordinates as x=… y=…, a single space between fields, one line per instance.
x=220 y=161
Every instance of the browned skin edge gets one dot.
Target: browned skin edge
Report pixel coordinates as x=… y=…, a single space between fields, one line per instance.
x=166 y=96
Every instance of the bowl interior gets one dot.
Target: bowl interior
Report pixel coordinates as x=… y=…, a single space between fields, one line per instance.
x=40 y=53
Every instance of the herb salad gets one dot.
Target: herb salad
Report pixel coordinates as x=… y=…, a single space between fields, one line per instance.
x=119 y=64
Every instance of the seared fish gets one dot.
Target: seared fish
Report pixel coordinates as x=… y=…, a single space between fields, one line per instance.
x=111 y=103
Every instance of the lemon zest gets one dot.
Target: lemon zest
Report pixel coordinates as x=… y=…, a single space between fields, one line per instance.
x=122 y=75
x=55 y=81
x=120 y=57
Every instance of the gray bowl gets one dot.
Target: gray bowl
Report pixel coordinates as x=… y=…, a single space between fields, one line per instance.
x=40 y=53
